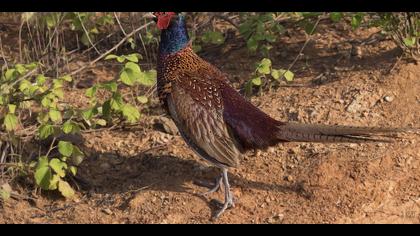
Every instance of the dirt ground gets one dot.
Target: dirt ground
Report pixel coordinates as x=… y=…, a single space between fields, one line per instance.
x=144 y=174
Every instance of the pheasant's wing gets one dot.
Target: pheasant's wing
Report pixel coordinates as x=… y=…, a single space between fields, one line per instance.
x=196 y=107
x=252 y=127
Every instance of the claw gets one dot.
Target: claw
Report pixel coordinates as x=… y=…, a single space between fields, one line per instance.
x=216 y=187
x=228 y=196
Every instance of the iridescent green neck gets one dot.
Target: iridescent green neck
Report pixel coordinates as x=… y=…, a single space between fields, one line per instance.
x=174 y=38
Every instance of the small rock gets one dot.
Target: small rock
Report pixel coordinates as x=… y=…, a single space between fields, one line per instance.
x=107 y=211
x=289 y=178
x=388 y=98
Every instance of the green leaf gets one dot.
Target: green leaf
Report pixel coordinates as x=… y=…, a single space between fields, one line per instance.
x=55 y=115
x=89 y=113
x=252 y=44
x=45 y=131
x=46 y=102
x=65 y=189
x=126 y=78
x=58 y=84
x=58 y=166
x=132 y=58
x=43 y=177
x=276 y=74
x=309 y=27
x=265 y=66
x=356 y=20
x=131 y=113
x=288 y=75
x=42 y=162
x=5 y=192
x=257 y=81
x=94 y=30
x=101 y=122
x=132 y=43
x=67 y=127
x=116 y=102
x=24 y=85
x=135 y=69
x=65 y=148
x=10 y=121
x=10 y=74
x=91 y=92
x=73 y=170
x=54 y=182
x=106 y=108
x=336 y=16
x=77 y=156
x=142 y=99
x=70 y=127
x=66 y=78
x=148 y=78
x=31 y=66
x=12 y=108
x=110 y=86
x=110 y=56
x=20 y=69
x=58 y=92
x=410 y=41
x=120 y=59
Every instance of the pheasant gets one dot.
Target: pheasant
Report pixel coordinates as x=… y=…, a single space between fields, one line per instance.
x=215 y=120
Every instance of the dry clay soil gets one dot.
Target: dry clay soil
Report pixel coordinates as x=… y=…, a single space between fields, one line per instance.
x=144 y=174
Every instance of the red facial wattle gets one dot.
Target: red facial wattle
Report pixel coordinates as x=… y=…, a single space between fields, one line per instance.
x=164 y=19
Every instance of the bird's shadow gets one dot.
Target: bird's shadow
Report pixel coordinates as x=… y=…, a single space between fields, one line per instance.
x=108 y=173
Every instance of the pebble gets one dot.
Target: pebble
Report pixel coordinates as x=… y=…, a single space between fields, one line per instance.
x=289 y=178
x=389 y=98
x=107 y=211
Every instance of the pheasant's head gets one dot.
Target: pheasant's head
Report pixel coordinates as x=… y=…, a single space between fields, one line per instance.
x=164 y=19
x=174 y=35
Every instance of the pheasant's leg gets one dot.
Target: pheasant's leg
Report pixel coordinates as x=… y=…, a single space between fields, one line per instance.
x=228 y=195
x=216 y=187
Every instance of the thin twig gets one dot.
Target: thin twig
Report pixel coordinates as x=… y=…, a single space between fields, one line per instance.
x=112 y=49
x=20 y=40
x=119 y=24
x=87 y=34
x=303 y=47
x=51 y=147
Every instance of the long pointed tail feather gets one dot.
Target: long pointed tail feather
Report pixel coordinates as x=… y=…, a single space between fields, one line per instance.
x=326 y=133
